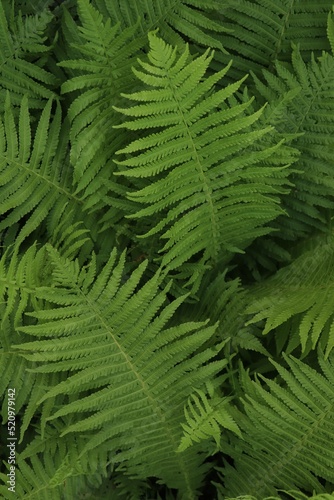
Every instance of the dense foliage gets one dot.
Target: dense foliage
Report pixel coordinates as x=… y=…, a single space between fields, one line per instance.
x=167 y=250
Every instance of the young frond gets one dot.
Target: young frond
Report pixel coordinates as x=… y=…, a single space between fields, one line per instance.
x=204 y=418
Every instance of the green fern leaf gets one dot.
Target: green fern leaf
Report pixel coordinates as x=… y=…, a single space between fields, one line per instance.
x=21 y=40
x=34 y=183
x=262 y=31
x=302 y=291
x=308 y=116
x=330 y=30
x=112 y=340
x=287 y=435
x=176 y=20
x=293 y=495
x=101 y=72
x=201 y=158
x=204 y=419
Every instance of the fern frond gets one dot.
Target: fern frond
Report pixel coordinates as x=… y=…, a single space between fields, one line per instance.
x=309 y=115
x=20 y=275
x=330 y=30
x=34 y=180
x=224 y=301
x=28 y=476
x=293 y=495
x=204 y=418
x=263 y=31
x=302 y=294
x=17 y=280
x=21 y=41
x=176 y=20
x=287 y=435
x=202 y=158
x=103 y=70
x=112 y=340
x=53 y=468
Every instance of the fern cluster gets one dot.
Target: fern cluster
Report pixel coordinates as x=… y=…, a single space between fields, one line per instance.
x=167 y=249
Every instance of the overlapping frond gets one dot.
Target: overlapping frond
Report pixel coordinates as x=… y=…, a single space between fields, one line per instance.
x=204 y=419
x=224 y=301
x=113 y=340
x=206 y=171
x=262 y=31
x=310 y=114
x=300 y=298
x=51 y=467
x=287 y=435
x=300 y=107
x=176 y=20
x=22 y=44
x=19 y=278
x=35 y=183
x=28 y=476
x=102 y=72
x=214 y=185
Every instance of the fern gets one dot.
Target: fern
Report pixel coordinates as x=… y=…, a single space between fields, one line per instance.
x=166 y=245
x=205 y=190
x=289 y=457
x=106 y=58
x=296 y=495
x=301 y=294
x=176 y=20
x=310 y=115
x=262 y=31
x=35 y=184
x=123 y=342
x=203 y=420
x=21 y=41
